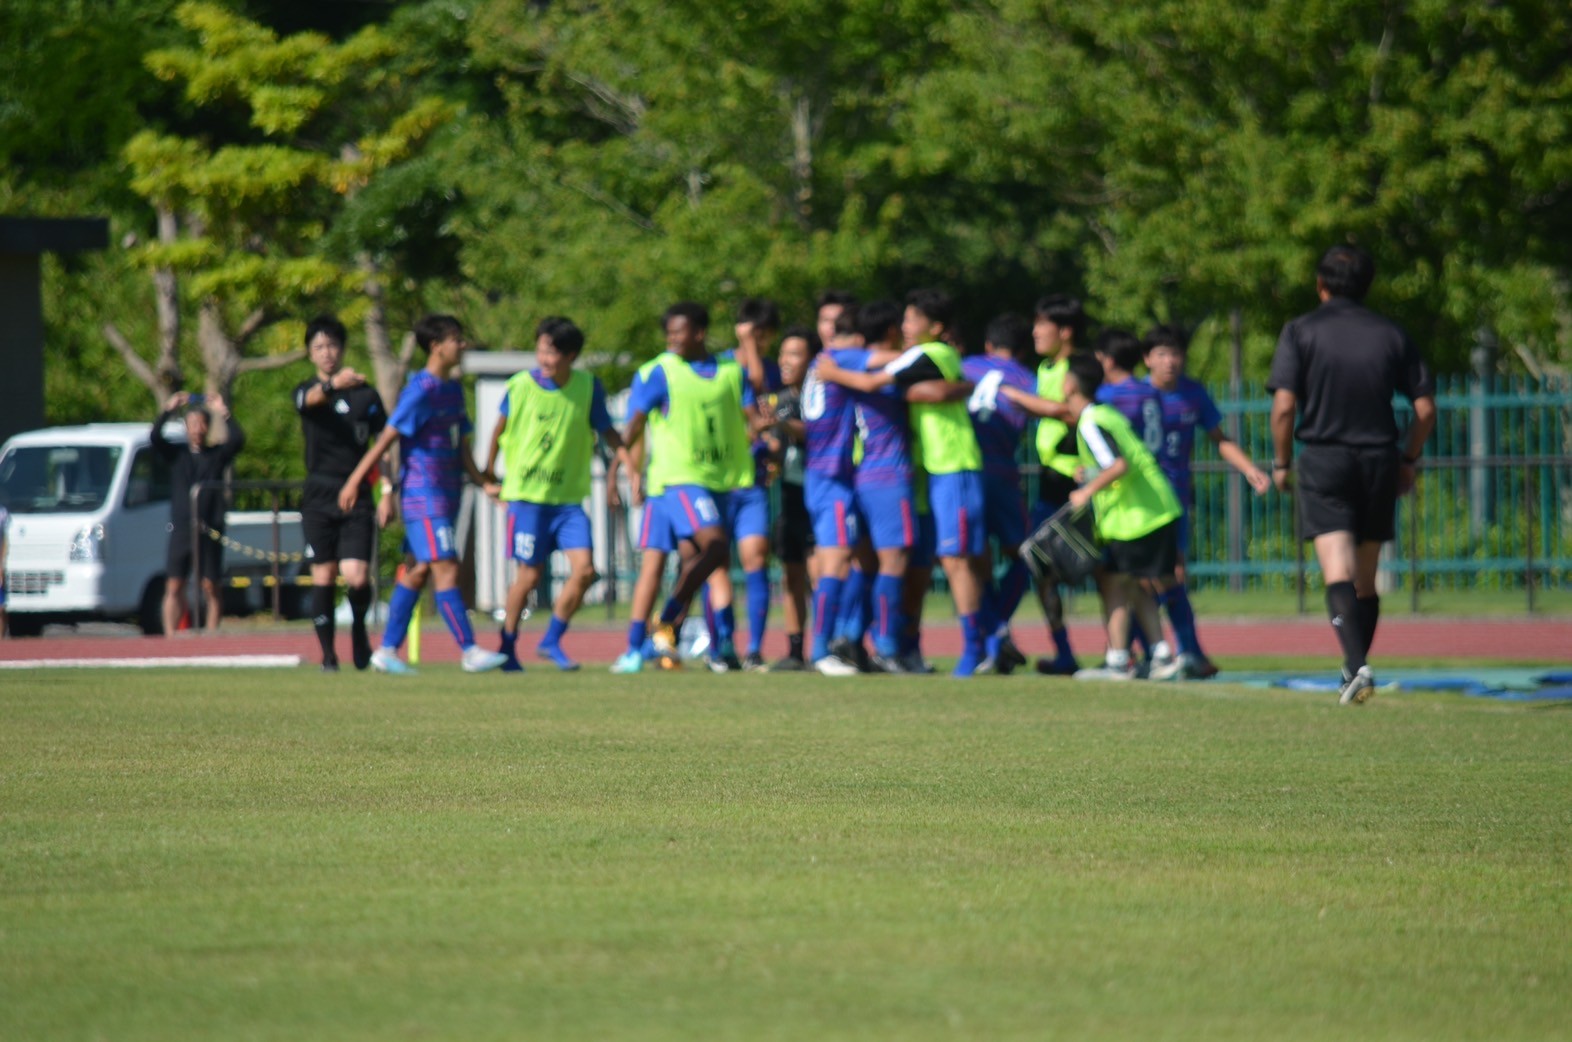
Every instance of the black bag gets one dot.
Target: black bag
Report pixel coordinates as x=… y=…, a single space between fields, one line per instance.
x=1064 y=548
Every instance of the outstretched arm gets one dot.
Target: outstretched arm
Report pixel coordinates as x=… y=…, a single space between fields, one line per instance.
x=868 y=383
x=1240 y=460
x=931 y=392
x=351 y=490
x=1043 y=408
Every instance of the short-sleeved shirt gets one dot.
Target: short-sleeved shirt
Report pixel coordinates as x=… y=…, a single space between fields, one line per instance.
x=1344 y=363
x=339 y=431
x=885 y=429
x=1138 y=402
x=829 y=415
x=760 y=448
x=1186 y=409
x=650 y=393
x=599 y=417
x=999 y=422
x=432 y=421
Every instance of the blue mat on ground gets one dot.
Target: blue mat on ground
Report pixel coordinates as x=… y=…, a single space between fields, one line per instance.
x=1508 y=684
x=1555 y=678
x=1554 y=693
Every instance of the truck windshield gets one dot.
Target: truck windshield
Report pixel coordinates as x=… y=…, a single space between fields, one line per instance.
x=57 y=479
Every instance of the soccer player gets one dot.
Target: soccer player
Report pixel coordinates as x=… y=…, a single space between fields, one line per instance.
x=794 y=527
x=1338 y=368
x=340 y=415
x=1187 y=407
x=692 y=404
x=192 y=464
x=999 y=424
x=828 y=308
x=943 y=436
x=1058 y=331
x=745 y=505
x=545 y=437
x=1137 y=516
x=431 y=425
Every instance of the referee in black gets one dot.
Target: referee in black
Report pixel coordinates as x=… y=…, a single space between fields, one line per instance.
x=340 y=416
x=1338 y=368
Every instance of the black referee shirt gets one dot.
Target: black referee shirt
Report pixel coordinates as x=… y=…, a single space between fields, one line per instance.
x=1344 y=363
x=338 y=432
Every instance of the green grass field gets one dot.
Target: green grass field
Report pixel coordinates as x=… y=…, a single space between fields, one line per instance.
x=276 y=855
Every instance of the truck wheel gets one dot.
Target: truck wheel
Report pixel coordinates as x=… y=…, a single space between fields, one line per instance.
x=150 y=613
x=20 y=625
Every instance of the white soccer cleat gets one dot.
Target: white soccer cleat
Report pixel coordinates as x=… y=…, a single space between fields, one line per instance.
x=1358 y=688
x=386 y=660
x=477 y=659
x=834 y=666
x=1116 y=673
x=1166 y=668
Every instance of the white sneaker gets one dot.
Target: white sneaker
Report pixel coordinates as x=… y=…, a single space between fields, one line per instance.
x=832 y=666
x=386 y=660
x=477 y=659
x=1107 y=673
x=1166 y=668
x=1358 y=688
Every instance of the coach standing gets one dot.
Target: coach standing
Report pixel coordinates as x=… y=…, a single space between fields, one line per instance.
x=340 y=416
x=1338 y=368
x=196 y=464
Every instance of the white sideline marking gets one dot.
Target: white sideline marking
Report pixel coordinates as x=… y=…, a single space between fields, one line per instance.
x=203 y=661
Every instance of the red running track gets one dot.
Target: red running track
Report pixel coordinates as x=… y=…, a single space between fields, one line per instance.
x=1534 y=640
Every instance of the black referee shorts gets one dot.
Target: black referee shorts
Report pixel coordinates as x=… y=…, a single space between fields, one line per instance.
x=1344 y=488
x=793 y=528
x=331 y=534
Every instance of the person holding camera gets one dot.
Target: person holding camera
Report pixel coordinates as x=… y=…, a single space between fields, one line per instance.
x=196 y=464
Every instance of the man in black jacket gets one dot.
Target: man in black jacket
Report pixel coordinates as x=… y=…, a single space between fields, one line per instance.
x=1337 y=368
x=195 y=462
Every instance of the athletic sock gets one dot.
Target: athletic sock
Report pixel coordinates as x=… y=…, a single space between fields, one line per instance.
x=725 y=626
x=1342 y=607
x=1177 y=603
x=1369 y=617
x=794 y=645
x=450 y=605
x=638 y=633
x=758 y=608
x=359 y=598
x=509 y=644
x=550 y=646
x=401 y=608
x=852 y=621
x=1138 y=635
x=827 y=599
x=887 y=622
x=1012 y=589
x=972 y=644
x=322 y=620
x=1061 y=644
x=554 y=631
x=671 y=612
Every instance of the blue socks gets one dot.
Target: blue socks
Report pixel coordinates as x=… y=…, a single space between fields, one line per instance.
x=1177 y=603
x=887 y=621
x=1012 y=589
x=400 y=608
x=853 y=620
x=450 y=605
x=758 y=609
x=972 y=651
x=826 y=606
x=550 y=646
x=638 y=633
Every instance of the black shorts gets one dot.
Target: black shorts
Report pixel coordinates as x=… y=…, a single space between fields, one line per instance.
x=793 y=528
x=1153 y=556
x=332 y=535
x=1345 y=489
x=210 y=554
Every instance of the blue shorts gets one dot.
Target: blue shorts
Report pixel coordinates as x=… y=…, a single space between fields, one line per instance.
x=536 y=529
x=889 y=516
x=832 y=506
x=654 y=529
x=959 y=526
x=1004 y=514
x=430 y=538
x=746 y=512
x=689 y=509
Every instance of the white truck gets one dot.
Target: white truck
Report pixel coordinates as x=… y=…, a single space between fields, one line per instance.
x=90 y=527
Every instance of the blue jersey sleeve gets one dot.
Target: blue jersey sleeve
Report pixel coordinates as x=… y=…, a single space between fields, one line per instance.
x=600 y=416
x=413 y=408
x=649 y=394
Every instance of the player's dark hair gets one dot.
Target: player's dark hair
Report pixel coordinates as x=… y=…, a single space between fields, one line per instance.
x=761 y=312
x=1014 y=333
x=936 y=304
x=1088 y=372
x=1346 y=271
x=844 y=298
x=433 y=329
x=1121 y=347
x=1064 y=311
x=846 y=321
x=328 y=324
x=797 y=329
x=876 y=318
x=564 y=335
x=1166 y=336
x=698 y=315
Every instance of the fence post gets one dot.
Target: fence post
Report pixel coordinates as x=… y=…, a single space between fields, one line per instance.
x=1232 y=482
x=1528 y=549
x=277 y=614
x=1482 y=358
